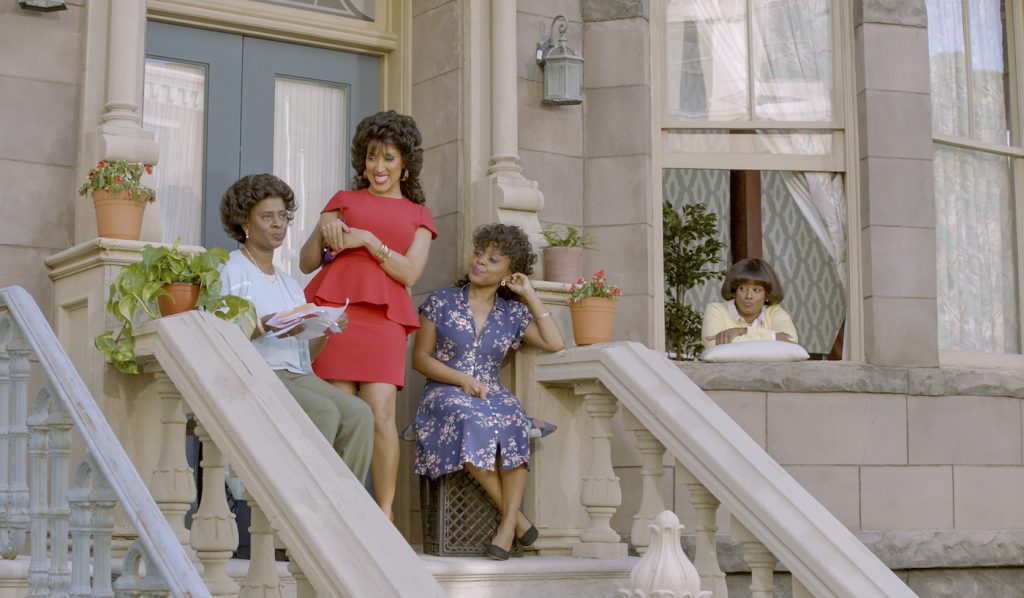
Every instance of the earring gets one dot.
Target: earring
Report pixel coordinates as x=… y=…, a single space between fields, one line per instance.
x=405 y=175
x=503 y=283
x=246 y=231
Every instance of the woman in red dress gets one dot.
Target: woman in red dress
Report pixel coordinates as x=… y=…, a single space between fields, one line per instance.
x=373 y=244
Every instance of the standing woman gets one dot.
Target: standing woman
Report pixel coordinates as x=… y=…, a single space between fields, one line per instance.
x=372 y=244
x=466 y=419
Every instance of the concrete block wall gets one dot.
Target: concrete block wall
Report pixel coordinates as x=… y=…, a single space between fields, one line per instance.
x=925 y=465
x=39 y=90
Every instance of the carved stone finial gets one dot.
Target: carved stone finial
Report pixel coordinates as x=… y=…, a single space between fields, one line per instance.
x=664 y=571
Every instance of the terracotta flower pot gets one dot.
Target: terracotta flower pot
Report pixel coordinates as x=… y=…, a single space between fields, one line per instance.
x=183 y=297
x=593 y=320
x=118 y=216
x=563 y=264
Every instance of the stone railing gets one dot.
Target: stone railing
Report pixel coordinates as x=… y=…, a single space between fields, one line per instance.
x=338 y=541
x=68 y=532
x=774 y=518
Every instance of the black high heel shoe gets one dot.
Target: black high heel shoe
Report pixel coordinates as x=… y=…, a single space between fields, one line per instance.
x=529 y=536
x=495 y=552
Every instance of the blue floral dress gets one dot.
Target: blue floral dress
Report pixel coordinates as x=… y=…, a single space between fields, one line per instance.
x=453 y=427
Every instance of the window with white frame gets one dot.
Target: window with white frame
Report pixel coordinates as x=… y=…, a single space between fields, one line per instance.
x=757 y=85
x=978 y=160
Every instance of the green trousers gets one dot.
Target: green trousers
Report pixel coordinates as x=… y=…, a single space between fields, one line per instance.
x=344 y=420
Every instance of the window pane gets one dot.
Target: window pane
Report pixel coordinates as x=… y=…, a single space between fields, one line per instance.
x=976 y=250
x=310 y=154
x=175 y=110
x=707 y=60
x=792 y=56
x=989 y=74
x=357 y=9
x=720 y=141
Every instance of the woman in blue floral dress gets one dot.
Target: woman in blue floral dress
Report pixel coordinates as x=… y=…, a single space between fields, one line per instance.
x=466 y=419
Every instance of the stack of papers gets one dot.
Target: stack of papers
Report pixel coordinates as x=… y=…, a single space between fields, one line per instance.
x=314 y=319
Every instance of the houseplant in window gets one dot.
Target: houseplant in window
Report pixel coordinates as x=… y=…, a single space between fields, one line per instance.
x=119 y=197
x=563 y=256
x=592 y=305
x=692 y=254
x=145 y=287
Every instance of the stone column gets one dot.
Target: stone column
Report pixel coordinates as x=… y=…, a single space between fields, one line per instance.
x=505 y=195
x=898 y=204
x=112 y=126
x=652 y=451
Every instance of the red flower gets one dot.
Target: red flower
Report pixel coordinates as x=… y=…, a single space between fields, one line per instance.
x=149 y=169
x=117 y=179
x=600 y=274
x=600 y=283
x=101 y=163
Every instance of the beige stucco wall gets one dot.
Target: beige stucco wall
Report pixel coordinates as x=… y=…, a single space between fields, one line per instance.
x=39 y=91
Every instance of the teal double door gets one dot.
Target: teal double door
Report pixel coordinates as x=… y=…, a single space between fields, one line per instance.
x=224 y=105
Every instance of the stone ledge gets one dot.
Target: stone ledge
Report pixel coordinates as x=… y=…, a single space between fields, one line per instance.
x=909 y=550
x=845 y=376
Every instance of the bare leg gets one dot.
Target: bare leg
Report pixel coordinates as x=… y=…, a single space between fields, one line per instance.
x=513 y=484
x=384 y=465
x=490 y=481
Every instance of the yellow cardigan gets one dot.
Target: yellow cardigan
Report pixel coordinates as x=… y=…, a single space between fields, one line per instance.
x=723 y=316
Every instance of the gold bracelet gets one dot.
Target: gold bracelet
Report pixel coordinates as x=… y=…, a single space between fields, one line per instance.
x=259 y=327
x=383 y=253
x=544 y=315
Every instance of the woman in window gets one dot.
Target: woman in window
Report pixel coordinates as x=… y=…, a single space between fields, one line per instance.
x=751 y=309
x=466 y=419
x=372 y=244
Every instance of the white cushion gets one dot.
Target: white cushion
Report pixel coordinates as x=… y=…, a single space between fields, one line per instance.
x=755 y=351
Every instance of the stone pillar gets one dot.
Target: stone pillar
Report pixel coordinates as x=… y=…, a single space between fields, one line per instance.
x=896 y=184
x=652 y=451
x=601 y=493
x=115 y=45
x=505 y=195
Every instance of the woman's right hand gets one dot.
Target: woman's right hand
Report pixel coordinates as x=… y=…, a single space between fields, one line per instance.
x=727 y=336
x=473 y=387
x=333 y=230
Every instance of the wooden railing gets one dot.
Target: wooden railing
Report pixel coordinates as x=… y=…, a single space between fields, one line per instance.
x=67 y=533
x=774 y=518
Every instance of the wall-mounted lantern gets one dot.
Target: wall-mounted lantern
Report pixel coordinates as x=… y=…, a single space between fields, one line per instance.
x=563 y=67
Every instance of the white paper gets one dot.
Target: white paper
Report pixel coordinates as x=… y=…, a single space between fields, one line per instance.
x=315 y=320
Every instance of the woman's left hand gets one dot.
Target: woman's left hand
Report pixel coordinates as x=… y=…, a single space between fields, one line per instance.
x=519 y=284
x=360 y=237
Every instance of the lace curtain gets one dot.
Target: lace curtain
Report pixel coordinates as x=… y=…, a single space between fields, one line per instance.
x=974 y=202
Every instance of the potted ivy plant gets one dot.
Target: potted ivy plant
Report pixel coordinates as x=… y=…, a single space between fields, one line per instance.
x=563 y=256
x=145 y=286
x=119 y=197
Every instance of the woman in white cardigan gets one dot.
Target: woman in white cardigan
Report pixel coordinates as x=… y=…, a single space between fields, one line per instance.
x=751 y=309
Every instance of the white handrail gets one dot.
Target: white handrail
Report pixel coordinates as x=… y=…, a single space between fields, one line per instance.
x=155 y=534
x=331 y=526
x=820 y=551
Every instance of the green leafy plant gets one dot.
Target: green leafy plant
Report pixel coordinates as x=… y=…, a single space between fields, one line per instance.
x=597 y=286
x=140 y=284
x=567 y=236
x=691 y=250
x=117 y=176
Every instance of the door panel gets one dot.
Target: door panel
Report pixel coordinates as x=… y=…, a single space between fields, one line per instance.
x=327 y=91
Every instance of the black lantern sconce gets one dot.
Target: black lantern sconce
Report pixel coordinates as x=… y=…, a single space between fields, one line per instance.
x=43 y=5
x=563 y=67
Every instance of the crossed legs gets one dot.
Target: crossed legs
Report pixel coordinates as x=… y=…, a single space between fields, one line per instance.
x=384 y=464
x=505 y=487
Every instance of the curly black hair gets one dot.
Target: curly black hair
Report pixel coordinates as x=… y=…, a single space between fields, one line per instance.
x=511 y=241
x=240 y=198
x=394 y=129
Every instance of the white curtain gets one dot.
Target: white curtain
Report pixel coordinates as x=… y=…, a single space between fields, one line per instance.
x=310 y=154
x=175 y=103
x=791 y=61
x=975 y=236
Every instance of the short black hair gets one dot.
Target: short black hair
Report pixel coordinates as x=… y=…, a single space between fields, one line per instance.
x=753 y=270
x=240 y=198
x=511 y=241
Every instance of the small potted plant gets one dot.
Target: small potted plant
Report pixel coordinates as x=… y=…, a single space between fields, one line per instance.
x=592 y=306
x=119 y=197
x=146 y=286
x=563 y=256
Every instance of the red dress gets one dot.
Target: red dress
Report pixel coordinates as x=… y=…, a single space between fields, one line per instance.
x=381 y=314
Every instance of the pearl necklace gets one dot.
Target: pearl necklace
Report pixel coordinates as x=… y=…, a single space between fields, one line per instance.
x=248 y=255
